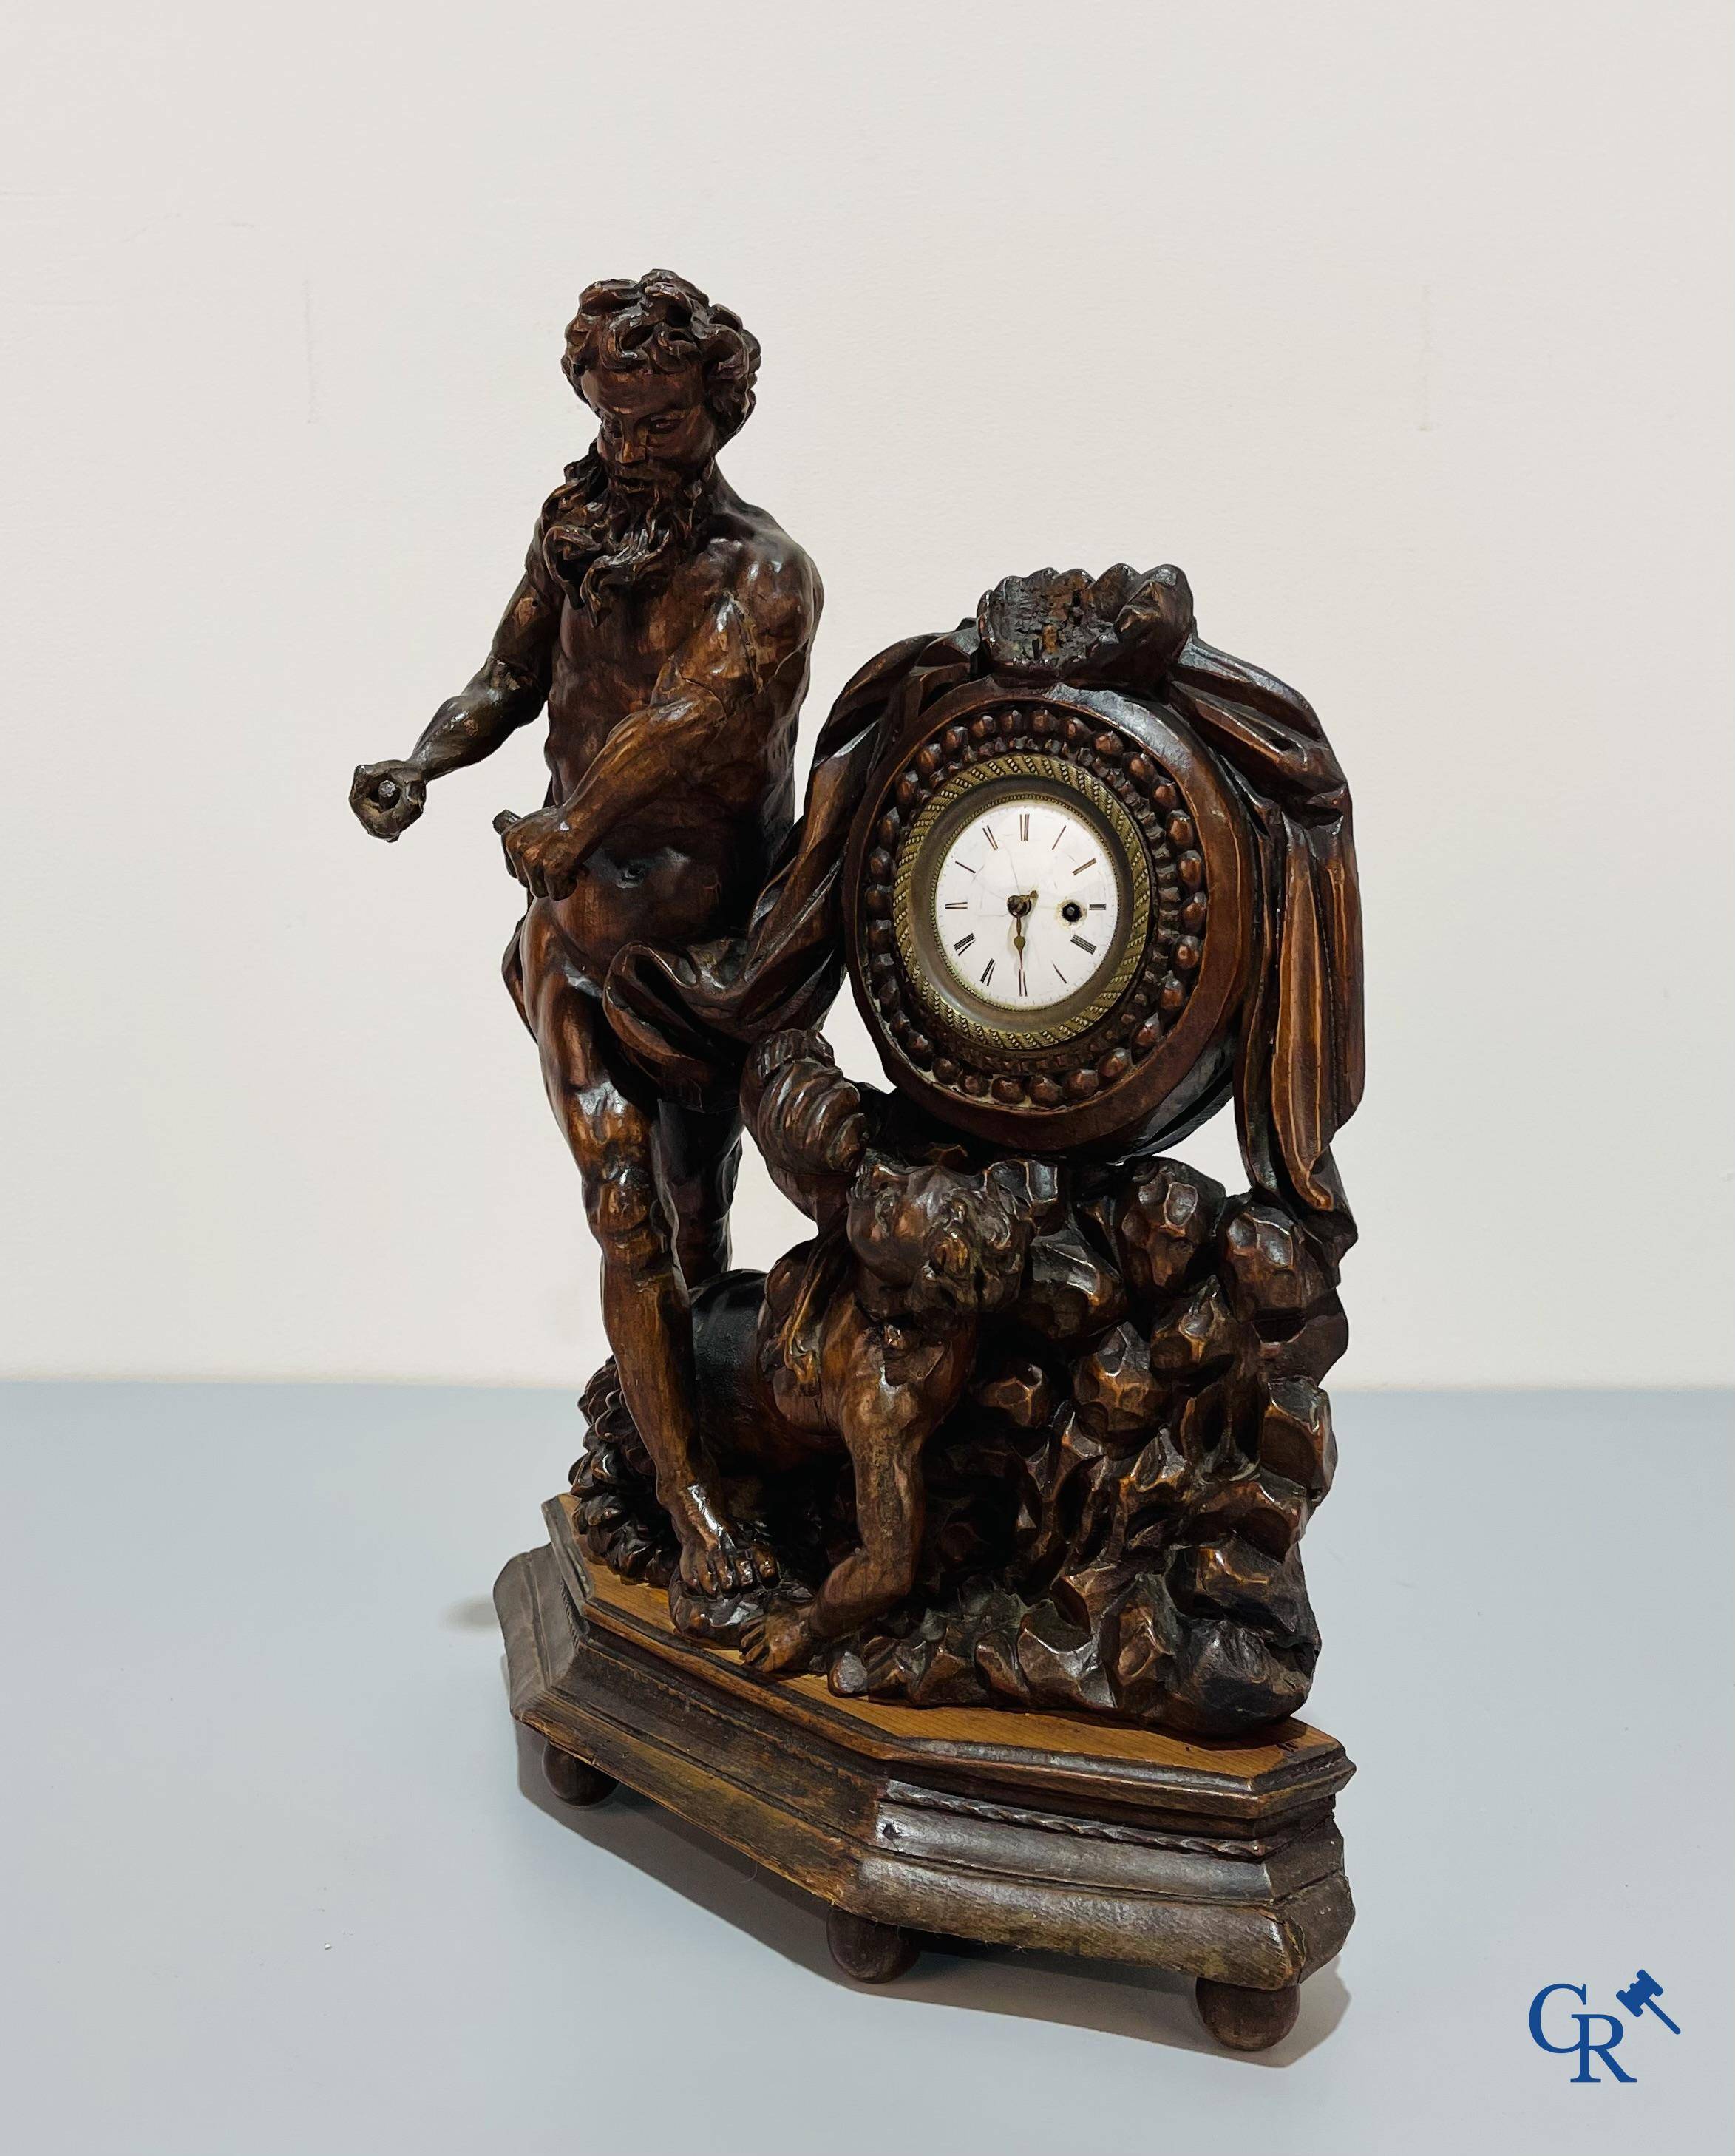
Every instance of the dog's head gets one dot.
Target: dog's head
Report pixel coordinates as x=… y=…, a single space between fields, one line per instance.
x=949 y=1239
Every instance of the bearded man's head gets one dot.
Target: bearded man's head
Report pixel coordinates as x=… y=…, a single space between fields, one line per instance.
x=670 y=378
x=628 y=332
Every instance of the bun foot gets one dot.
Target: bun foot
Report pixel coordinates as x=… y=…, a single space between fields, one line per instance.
x=1245 y=2019
x=576 y=1781
x=870 y=1953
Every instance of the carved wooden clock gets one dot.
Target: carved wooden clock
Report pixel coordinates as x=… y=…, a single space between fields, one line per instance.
x=969 y=1531
x=1048 y=931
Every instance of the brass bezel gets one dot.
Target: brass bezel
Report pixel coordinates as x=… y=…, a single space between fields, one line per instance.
x=917 y=870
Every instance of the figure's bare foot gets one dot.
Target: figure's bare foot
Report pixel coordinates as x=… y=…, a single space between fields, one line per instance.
x=781 y=1640
x=716 y=1557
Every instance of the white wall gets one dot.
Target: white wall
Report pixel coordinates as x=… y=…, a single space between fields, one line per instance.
x=1406 y=332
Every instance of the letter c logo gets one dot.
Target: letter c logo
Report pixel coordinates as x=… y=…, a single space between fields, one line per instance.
x=1548 y=1991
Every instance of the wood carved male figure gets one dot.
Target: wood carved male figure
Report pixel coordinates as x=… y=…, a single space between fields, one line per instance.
x=666 y=624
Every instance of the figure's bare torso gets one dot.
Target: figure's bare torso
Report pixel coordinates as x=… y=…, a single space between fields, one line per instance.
x=731 y=627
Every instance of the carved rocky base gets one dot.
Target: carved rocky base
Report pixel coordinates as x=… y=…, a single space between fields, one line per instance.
x=1218 y=1858
x=1112 y=1379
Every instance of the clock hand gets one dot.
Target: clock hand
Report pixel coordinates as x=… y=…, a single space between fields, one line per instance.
x=1018 y=907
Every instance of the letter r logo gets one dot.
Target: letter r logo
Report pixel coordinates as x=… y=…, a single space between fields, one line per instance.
x=1583 y=2043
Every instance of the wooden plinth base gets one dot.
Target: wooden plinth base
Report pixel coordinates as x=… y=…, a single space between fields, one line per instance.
x=1219 y=1859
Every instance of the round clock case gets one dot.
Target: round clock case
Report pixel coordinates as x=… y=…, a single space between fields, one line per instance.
x=1026 y=833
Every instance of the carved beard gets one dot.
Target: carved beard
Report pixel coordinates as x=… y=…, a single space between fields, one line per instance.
x=616 y=535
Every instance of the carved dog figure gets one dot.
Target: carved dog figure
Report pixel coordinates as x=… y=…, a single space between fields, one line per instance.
x=867 y=1337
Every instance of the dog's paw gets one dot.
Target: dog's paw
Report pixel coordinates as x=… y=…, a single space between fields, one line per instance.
x=779 y=1640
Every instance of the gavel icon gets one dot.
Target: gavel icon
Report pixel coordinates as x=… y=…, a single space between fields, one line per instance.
x=1644 y=1991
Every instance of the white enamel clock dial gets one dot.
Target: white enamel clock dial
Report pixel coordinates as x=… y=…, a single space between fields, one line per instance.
x=1026 y=902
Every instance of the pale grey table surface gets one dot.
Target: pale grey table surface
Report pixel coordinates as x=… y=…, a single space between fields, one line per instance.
x=278 y=1878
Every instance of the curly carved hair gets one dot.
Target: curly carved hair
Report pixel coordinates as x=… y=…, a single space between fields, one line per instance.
x=660 y=320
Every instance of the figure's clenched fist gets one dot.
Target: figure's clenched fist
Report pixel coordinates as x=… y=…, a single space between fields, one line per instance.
x=387 y=797
x=541 y=852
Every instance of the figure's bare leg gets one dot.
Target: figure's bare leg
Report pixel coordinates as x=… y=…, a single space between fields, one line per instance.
x=610 y=1121
x=698 y=1158
x=889 y=1508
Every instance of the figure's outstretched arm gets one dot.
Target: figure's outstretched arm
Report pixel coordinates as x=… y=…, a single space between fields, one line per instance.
x=507 y=692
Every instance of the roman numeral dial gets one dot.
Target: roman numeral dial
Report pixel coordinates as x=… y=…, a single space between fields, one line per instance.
x=1026 y=900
